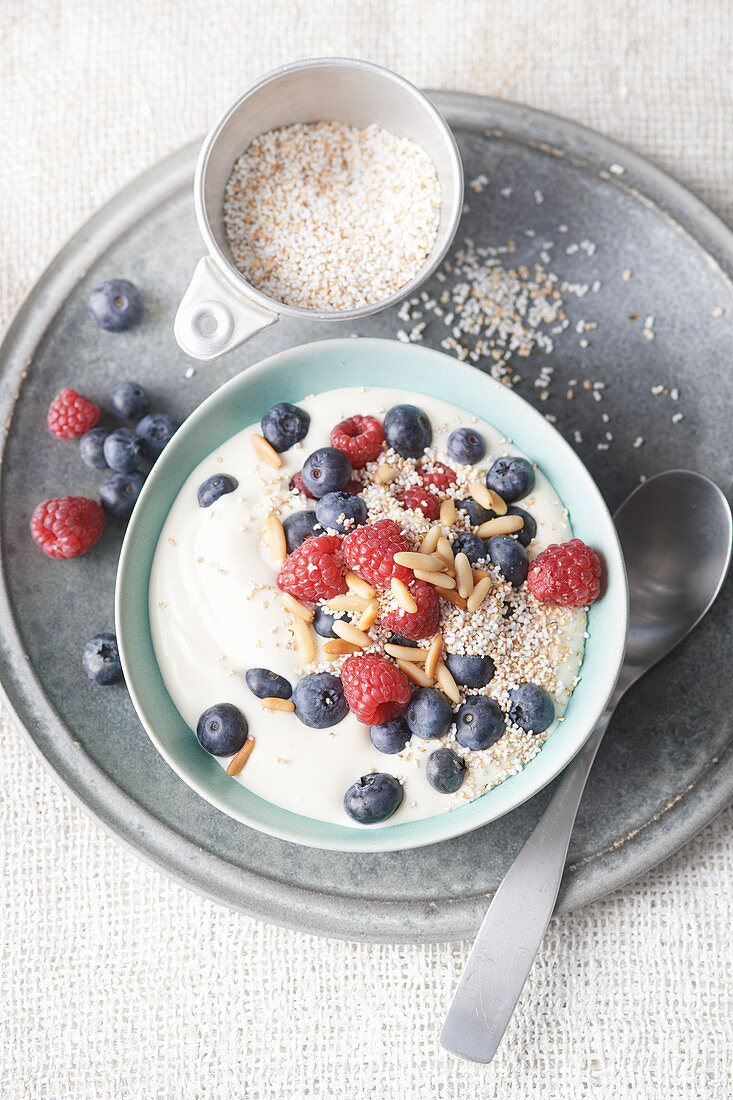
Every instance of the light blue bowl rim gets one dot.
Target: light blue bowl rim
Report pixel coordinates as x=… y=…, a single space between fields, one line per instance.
x=289 y=376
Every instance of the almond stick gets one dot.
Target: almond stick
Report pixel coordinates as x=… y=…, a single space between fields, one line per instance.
x=359 y=586
x=502 y=525
x=403 y=596
x=295 y=607
x=351 y=633
x=275 y=535
x=434 y=654
x=303 y=641
x=430 y=541
x=266 y=452
x=237 y=762
x=464 y=576
x=406 y=653
x=415 y=673
x=438 y=580
x=447 y=683
x=271 y=703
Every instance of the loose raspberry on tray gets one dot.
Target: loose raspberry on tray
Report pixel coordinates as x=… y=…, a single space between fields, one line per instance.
x=71 y=415
x=375 y=689
x=66 y=527
x=422 y=623
x=315 y=571
x=568 y=574
x=369 y=552
x=360 y=438
x=420 y=500
x=439 y=476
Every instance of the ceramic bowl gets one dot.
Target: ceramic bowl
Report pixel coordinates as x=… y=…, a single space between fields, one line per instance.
x=314 y=368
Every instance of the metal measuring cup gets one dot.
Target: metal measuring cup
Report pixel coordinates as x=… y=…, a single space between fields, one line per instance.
x=221 y=309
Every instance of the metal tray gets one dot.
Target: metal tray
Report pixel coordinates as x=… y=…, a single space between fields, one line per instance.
x=666 y=766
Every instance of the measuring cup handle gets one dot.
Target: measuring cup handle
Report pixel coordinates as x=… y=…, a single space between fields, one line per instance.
x=213 y=318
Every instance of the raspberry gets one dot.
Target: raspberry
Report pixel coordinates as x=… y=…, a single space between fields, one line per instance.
x=71 y=415
x=375 y=688
x=296 y=482
x=422 y=623
x=440 y=476
x=360 y=438
x=67 y=526
x=370 y=551
x=421 y=501
x=568 y=574
x=315 y=571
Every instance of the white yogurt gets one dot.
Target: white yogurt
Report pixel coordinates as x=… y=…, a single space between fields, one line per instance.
x=215 y=612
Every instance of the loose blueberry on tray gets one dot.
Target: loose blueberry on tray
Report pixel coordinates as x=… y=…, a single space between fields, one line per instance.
x=284 y=425
x=325 y=471
x=390 y=737
x=91 y=448
x=123 y=450
x=267 y=685
x=469 y=544
x=407 y=430
x=156 y=430
x=129 y=401
x=511 y=478
x=445 y=771
x=298 y=527
x=119 y=492
x=214 y=487
x=473 y=670
x=373 y=798
x=320 y=701
x=115 y=305
x=323 y=622
x=429 y=714
x=101 y=660
x=479 y=722
x=525 y=534
x=476 y=512
x=531 y=708
x=222 y=729
x=466 y=447
x=341 y=512
x=511 y=558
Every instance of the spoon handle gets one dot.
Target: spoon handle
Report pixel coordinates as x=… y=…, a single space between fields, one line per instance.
x=514 y=926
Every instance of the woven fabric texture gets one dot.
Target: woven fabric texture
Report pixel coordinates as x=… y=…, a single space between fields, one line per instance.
x=116 y=982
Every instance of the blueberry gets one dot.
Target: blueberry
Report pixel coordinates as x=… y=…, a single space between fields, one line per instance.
x=267 y=685
x=392 y=736
x=429 y=713
x=123 y=450
x=397 y=639
x=471 y=545
x=320 y=701
x=341 y=512
x=101 y=660
x=298 y=527
x=323 y=622
x=445 y=770
x=115 y=305
x=222 y=729
x=218 y=485
x=476 y=512
x=325 y=471
x=466 y=447
x=407 y=430
x=373 y=798
x=118 y=493
x=472 y=670
x=511 y=478
x=129 y=401
x=528 y=532
x=284 y=425
x=156 y=430
x=531 y=708
x=479 y=722
x=511 y=558
x=91 y=448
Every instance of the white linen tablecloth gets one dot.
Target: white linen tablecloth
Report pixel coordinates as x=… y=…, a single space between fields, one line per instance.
x=114 y=981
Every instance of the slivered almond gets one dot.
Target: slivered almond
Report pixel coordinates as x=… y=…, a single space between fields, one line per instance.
x=406 y=653
x=402 y=595
x=502 y=525
x=438 y=580
x=415 y=673
x=270 y=703
x=348 y=602
x=452 y=597
x=446 y=681
x=237 y=762
x=295 y=607
x=351 y=633
x=434 y=654
x=275 y=536
x=444 y=551
x=479 y=594
x=337 y=647
x=430 y=563
x=385 y=474
x=498 y=504
x=464 y=576
x=266 y=452
x=448 y=512
x=369 y=615
x=303 y=641
x=430 y=541
x=359 y=586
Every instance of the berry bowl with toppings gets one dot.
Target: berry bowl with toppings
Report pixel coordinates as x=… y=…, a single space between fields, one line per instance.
x=369 y=617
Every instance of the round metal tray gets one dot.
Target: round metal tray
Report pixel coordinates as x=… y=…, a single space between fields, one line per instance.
x=659 y=260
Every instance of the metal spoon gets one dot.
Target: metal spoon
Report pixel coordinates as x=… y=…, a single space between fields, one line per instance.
x=675 y=532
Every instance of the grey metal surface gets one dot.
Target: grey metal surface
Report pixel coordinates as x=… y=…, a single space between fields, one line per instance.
x=665 y=767
x=675 y=570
